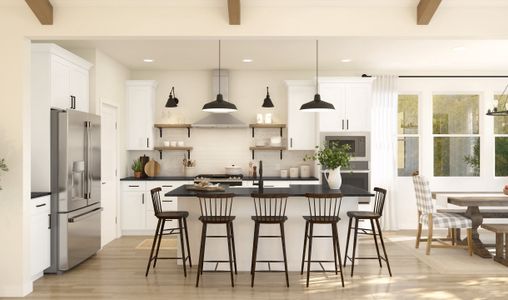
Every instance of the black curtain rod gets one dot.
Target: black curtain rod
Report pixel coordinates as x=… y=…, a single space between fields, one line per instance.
x=447 y=76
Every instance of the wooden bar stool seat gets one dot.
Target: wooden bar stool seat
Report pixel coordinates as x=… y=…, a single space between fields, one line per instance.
x=363 y=214
x=270 y=209
x=160 y=231
x=216 y=219
x=322 y=219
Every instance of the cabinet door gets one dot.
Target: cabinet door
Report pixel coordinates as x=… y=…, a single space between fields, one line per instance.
x=334 y=120
x=60 y=90
x=301 y=124
x=133 y=210
x=140 y=118
x=358 y=106
x=40 y=243
x=79 y=83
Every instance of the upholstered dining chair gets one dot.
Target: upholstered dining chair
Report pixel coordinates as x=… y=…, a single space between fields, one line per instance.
x=426 y=215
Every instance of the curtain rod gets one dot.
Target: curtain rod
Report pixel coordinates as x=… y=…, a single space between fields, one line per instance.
x=447 y=76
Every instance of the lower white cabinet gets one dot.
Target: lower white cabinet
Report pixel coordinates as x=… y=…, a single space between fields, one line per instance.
x=137 y=212
x=40 y=236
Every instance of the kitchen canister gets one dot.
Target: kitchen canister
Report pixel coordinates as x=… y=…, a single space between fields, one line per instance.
x=268 y=118
x=304 y=171
x=259 y=118
x=283 y=173
x=293 y=172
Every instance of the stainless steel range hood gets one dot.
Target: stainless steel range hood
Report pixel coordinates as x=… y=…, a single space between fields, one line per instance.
x=219 y=121
x=215 y=120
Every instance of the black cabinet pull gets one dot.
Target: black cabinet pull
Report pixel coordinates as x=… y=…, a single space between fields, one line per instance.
x=41 y=205
x=291 y=142
x=167 y=200
x=347 y=124
x=342 y=124
x=133 y=185
x=142 y=198
x=49 y=221
x=147 y=142
x=167 y=186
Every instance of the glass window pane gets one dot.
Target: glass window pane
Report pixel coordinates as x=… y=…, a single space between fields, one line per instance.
x=407 y=156
x=501 y=123
x=407 y=121
x=501 y=156
x=455 y=114
x=456 y=156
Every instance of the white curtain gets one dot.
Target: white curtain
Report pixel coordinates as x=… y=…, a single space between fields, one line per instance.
x=384 y=144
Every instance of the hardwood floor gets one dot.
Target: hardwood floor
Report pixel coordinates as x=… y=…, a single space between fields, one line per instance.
x=117 y=272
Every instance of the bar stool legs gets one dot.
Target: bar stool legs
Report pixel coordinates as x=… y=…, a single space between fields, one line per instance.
x=283 y=241
x=384 y=249
x=230 y=252
x=155 y=238
x=311 y=233
x=305 y=235
x=201 y=253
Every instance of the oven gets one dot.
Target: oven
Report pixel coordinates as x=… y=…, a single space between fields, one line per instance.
x=358 y=143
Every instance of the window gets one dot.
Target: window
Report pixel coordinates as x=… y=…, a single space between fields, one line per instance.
x=501 y=140
x=407 y=139
x=455 y=122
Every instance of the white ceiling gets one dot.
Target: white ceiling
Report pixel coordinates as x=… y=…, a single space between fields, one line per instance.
x=368 y=55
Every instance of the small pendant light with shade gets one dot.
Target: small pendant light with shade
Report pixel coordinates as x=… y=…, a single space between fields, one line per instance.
x=172 y=100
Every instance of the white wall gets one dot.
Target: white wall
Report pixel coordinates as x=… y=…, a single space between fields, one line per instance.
x=486 y=88
x=216 y=148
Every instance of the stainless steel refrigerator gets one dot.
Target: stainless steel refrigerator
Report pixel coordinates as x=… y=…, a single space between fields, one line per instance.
x=75 y=188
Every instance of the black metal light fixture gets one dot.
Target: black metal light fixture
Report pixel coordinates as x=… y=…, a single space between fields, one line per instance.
x=267 y=103
x=495 y=111
x=317 y=104
x=172 y=100
x=219 y=105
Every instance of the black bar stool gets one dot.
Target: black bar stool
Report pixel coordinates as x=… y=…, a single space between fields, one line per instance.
x=373 y=216
x=323 y=209
x=216 y=209
x=270 y=209
x=162 y=217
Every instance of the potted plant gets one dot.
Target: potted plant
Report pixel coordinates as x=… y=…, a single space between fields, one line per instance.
x=137 y=168
x=331 y=158
x=3 y=167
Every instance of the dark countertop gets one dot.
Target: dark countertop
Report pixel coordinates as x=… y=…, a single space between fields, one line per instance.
x=183 y=178
x=39 y=194
x=292 y=191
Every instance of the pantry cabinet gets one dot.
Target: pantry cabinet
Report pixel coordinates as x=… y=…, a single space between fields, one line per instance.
x=351 y=97
x=140 y=114
x=40 y=236
x=301 y=124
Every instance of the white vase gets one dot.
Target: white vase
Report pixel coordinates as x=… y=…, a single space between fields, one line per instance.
x=334 y=178
x=189 y=171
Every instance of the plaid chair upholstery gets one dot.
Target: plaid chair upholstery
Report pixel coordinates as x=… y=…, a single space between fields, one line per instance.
x=425 y=207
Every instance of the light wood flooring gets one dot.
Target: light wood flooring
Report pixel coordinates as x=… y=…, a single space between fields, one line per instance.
x=117 y=272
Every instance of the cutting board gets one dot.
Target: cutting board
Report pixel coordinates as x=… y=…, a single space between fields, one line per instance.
x=152 y=168
x=205 y=188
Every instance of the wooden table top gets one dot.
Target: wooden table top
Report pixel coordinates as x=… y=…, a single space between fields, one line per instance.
x=479 y=200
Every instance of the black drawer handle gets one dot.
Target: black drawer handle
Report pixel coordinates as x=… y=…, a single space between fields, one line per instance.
x=167 y=200
x=167 y=186
x=133 y=185
x=41 y=205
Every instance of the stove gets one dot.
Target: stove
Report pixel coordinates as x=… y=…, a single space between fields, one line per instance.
x=234 y=180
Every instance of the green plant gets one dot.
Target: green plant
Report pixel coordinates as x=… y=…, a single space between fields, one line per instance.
x=331 y=156
x=3 y=167
x=474 y=160
x=136 y=166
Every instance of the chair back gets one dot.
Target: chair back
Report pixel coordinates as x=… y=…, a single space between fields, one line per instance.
x=379 y=200
x=324 y=205
x=216 y=205
x=423 y=195
x=270 y=205
x=156 y=200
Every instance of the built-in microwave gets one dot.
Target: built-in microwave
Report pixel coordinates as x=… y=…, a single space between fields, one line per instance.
x=358 y=144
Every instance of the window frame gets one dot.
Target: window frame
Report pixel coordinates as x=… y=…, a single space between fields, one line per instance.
x=412 y=135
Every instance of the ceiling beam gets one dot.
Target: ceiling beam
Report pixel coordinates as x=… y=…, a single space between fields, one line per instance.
x=234 y=12
x=425 y=11
x=43 y=10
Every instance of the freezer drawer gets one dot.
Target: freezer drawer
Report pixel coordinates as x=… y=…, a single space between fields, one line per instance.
x=80 y=236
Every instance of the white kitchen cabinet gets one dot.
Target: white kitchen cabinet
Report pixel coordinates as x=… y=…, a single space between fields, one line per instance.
x=40 y=236
x=140 y=114
x=301 y=124
x=133 y=210
x=60 y=78
x=352 y=100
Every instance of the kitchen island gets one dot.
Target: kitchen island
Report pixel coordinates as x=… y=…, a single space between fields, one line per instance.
x=269 y=249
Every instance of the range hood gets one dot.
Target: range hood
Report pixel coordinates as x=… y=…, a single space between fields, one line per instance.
x=219 y=121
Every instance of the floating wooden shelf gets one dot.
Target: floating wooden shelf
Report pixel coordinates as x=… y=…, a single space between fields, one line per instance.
x=268 y=148
x=176 y=126
x=160 y=149
x=254 y=126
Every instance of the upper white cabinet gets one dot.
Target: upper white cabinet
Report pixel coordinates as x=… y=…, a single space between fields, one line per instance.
x=301 y=124
x=352 y=100
x=140 y=114
x=60 y=78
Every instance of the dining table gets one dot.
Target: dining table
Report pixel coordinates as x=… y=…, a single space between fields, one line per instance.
x=475 y=203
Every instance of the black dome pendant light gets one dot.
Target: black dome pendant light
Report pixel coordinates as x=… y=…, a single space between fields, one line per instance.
x=267 y=103
x=317 y=104
x=172 y=100
x=219 y=105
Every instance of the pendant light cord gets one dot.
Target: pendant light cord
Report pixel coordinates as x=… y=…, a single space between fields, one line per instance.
x=219 y=67
x=317 y=71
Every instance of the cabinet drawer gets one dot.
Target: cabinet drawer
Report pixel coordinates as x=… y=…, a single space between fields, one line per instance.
x=165 y=185
x=40 y=205
x=169 y=203
x=133 y=186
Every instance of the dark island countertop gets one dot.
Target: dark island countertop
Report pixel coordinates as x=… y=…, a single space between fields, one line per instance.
x=292 y=191
x=183 y=178
x=39 y=194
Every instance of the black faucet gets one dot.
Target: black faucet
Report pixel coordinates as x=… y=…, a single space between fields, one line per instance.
x=260 y=183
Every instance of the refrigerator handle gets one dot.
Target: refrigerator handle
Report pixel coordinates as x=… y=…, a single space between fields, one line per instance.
x=90 y=158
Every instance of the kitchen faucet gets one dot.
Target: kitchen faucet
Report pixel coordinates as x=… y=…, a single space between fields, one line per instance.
x=260 y=183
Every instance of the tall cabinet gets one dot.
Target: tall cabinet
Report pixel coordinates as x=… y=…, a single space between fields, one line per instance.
x=301 y=124
x=140 y=114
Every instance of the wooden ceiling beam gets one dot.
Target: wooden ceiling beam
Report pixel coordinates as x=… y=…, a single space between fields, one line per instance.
x=43 y=10
x=234 y=12
x=425 y=11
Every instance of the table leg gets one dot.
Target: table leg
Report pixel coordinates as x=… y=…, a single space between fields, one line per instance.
x=479 y=249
